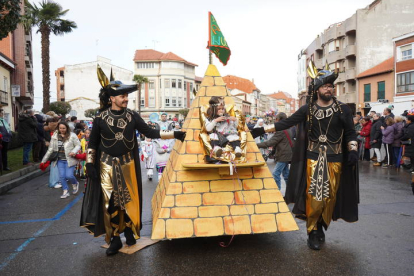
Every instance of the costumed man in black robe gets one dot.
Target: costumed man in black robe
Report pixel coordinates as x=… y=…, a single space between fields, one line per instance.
x=113 y=199
x=323 y=181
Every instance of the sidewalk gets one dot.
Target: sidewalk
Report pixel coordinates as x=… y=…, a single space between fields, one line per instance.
x=14 y=179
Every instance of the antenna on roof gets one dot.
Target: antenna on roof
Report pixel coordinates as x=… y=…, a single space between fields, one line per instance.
x=155 y=41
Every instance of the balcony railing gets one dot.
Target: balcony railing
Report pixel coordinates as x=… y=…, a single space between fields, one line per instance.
x=4 y=97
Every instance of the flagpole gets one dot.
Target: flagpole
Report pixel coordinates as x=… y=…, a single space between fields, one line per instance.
x=210 y=59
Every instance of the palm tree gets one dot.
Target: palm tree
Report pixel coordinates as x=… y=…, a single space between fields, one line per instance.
x=47 y=17
x=139 y=79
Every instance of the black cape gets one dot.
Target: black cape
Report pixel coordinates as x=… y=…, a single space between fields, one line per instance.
x=347 y=201
x=92 y=216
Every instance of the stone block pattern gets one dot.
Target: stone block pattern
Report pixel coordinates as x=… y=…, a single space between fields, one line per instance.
x=202 y=203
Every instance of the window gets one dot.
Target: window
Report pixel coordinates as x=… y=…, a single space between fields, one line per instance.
x=406 y=52
x=179 y=84
x=331 y=46
x=167 y=102
x=185 y=86
x=405 y=82
x=166 y=83
x=173 y=83
x=179 y=101
x=151 y=84
x=142 y=102
x=174 y=102
x=5 y=84
x=367 y=92
x=151 y=102
x=145 y=65
x=191 y=87
x=381 y=90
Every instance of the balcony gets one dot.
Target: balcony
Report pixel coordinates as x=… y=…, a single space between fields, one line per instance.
x=330 y=33
x=350 y=50
x=350 y=74
x=340 y=30
x=4 y=97
x=319 y=63
x=350 y=24
x=318 y=42
x=28 y=62
x=341 y=77
x=336 y=55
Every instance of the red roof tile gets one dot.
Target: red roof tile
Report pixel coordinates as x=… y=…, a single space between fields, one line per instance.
x=384 y=67
x=280 y=95
x=152 y=55
x=241 y=84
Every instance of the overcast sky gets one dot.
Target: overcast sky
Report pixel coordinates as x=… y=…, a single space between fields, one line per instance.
x=265 y=36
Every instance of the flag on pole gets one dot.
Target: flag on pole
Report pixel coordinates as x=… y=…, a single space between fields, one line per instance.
x=216 y=42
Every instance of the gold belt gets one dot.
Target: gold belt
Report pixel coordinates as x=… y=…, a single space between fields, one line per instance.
x=330 y=148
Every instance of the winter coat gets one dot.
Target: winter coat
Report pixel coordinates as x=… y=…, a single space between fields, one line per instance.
x=366 y=132
x=5 y=130
x=397 y=134
x=376 y=134
x=40 y=128
x=281 y=142
x=27 y=128
x=71 y=145
x=160 y=154
x=408 y=133
x=388 y=135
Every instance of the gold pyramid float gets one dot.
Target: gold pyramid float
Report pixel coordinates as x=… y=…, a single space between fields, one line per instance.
x=203 y=200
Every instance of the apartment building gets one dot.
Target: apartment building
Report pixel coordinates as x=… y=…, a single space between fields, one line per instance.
x=16 y=51
x=78 y=84
x=359 y=43
x=404 y=72
x=171 y=82
x=247 y=91
x=284 y=102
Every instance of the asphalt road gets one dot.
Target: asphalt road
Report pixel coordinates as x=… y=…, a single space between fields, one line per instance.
x=39 y=235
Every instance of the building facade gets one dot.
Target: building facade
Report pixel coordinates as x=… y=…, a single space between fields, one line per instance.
x=284 y=102
x=359 y=43
x=247 y=90
x=171 y=83
x=7 y=67
x=17 y=48
x=78 y=84
x=404 y=72
x=302 y=87
x=377 y=87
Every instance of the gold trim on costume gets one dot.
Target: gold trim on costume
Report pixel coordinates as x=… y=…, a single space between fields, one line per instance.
x=90 y=156
x=352 y=145
x=321 y=210
x=270 y=128
x=167 y=134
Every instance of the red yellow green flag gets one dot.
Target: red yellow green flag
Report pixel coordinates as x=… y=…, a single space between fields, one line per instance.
x=216 y=42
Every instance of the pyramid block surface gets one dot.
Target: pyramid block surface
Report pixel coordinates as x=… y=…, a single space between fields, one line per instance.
x=209 y=201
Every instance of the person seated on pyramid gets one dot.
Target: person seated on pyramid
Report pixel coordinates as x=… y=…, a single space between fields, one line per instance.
x=222 y=128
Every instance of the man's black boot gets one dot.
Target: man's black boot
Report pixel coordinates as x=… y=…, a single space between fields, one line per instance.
x=129 y=235
x=313 y=240
x=114 y=247
x=321 y=234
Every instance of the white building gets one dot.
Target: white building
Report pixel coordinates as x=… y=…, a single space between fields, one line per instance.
x=171 y=82
x=78 y=84
x=302 y=74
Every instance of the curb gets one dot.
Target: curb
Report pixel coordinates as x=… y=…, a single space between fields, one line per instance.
x=17 y=178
